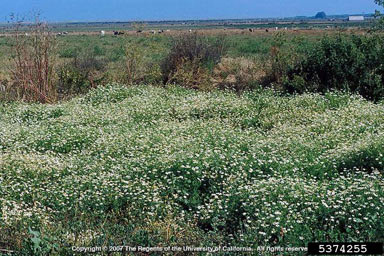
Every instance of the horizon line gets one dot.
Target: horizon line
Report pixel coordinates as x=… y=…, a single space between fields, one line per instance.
x=197 y=19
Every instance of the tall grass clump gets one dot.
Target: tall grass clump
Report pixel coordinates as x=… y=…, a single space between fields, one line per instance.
x=350 y=63
x=33 y=62
x=191 y=58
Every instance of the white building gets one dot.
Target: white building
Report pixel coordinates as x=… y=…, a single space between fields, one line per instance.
x=356 y=18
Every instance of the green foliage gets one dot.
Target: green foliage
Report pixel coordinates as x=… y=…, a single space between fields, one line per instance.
x=378 y=15
x=140 y=64
x=113 y=93
x=69 y=52
x=98 y=51
x=117 y=53
x=249 y=46
x=39 y=245
x=31 y=115
x=151 y=166
x=283 y=54
x=350 y=63
x=80 y=75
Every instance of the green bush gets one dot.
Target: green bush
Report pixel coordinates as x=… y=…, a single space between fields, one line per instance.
x=117 y=54
x=80 y=75
x=284 y=53
x=349 y=63
x=69 y=53
x=98 y=51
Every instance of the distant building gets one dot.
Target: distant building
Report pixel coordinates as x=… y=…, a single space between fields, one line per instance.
x=356 y=18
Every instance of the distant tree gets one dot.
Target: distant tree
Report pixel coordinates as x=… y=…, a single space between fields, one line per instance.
x=378 y=14
x=380 y=2
x=322 y=15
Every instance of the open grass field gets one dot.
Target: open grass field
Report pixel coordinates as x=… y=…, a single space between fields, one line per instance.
x=147 y=166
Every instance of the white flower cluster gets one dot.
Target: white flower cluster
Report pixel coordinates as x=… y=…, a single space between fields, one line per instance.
x=256 y=166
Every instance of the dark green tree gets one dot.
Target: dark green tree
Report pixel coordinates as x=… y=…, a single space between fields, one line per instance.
x=378 y=14
x=321 y=15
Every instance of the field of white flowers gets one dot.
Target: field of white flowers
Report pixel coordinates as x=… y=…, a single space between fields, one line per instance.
x=161 y=167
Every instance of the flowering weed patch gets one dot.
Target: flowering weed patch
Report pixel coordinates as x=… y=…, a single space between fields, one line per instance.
x=162 y=167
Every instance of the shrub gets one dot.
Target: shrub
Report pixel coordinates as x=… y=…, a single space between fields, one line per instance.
x=139 y=65
x=282 y=55
x=80 y=75
x=133 y=62
x=351 y=63
x=33 y=63
x=191 y=74
x=194 y=49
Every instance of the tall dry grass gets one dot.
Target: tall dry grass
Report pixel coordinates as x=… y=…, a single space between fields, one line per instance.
x=33 y=62
x=194 y=51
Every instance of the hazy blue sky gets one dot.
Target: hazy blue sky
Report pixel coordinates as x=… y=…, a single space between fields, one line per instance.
x=113 y=10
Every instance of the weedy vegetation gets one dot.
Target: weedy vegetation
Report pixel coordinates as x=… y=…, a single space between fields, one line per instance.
x=170 y=166
x=33 y=63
